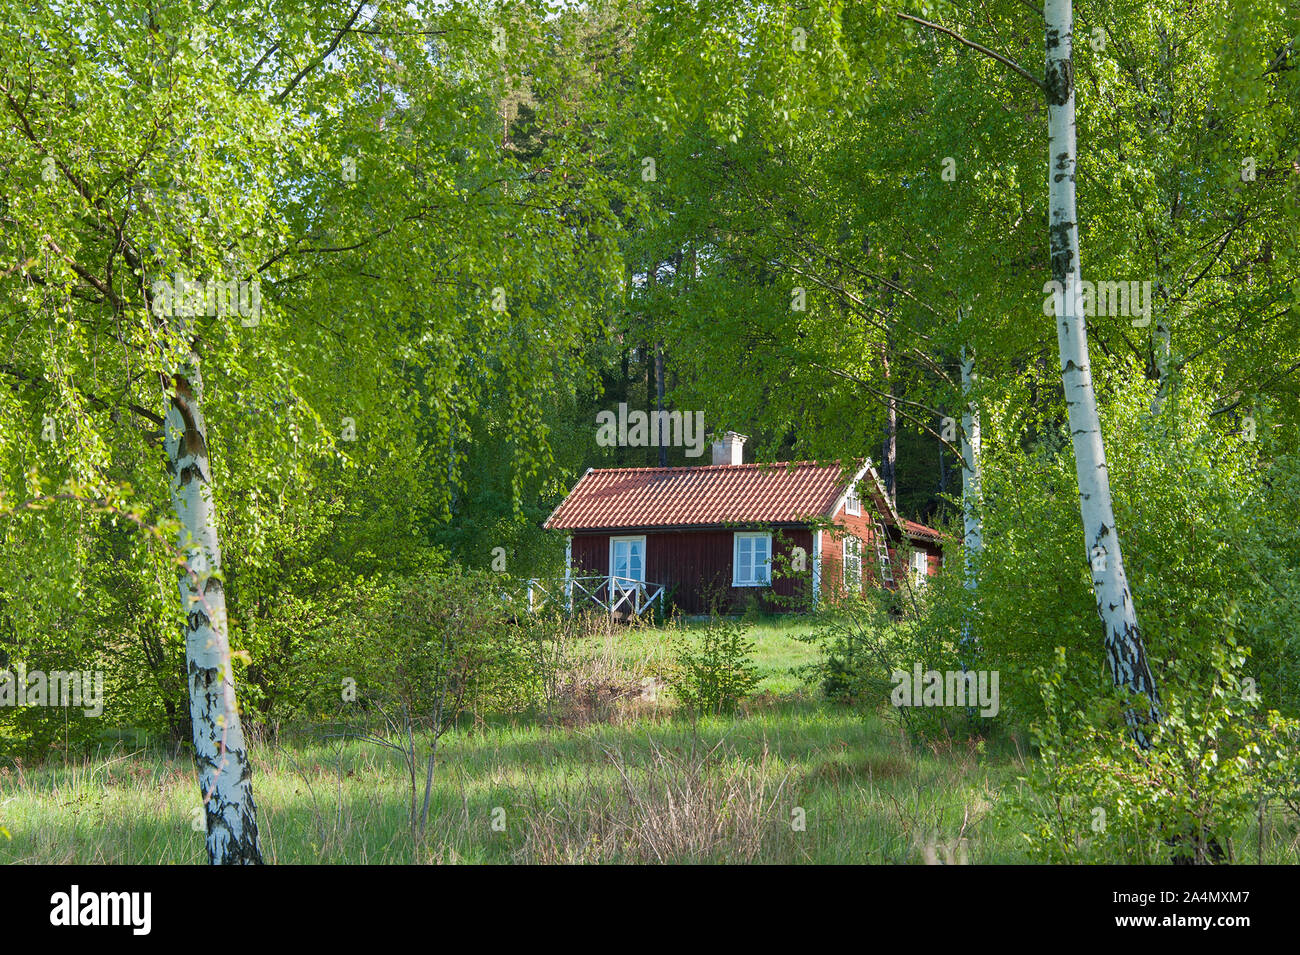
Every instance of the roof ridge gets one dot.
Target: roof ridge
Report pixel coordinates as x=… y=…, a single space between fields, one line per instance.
x=752 y=464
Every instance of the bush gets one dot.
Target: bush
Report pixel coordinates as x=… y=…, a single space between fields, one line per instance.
x=854 y=654
x=413 y=641
x=577 y=676
x=715 y=674
x=861 y=644
x=1214 y=761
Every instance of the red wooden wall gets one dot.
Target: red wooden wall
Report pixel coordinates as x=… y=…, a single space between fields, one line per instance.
x=696 y=565
x=696 y=568
x=862 y=526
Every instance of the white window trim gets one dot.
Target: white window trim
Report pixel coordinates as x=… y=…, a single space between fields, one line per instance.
x=855 y=584
x=853 y=503
x=735 y=558
x=920 y=566
x=817 y=566
x=630 y=537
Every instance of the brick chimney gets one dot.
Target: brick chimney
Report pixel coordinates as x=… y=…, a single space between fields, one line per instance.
x=730 y=449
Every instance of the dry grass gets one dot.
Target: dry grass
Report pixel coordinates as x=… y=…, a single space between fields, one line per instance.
x=692 y=805
x=875 y=766
x=595 y=680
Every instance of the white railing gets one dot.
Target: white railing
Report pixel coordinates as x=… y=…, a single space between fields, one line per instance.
x=612 y=593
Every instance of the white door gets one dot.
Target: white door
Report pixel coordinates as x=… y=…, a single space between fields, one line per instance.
x=626 y=561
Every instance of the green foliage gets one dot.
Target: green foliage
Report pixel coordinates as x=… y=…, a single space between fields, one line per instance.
x=856 y=650
x=1215 y=761
x=1209 y=553
x=380 y=404
x=391 y=417
x=714 y=672
x=862 y=643
x=430 y=646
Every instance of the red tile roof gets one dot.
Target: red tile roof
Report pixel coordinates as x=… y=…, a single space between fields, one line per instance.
x=695 y=496
x=626 y=498
x=925 y=533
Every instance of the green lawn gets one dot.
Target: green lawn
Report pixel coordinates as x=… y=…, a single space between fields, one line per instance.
x=599 y=793
x=776 y=653
x=790 y=779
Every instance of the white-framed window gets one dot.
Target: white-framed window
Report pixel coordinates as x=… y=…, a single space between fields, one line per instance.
x=626 y=562
x=751 y=559
x=920 y=567
x=852 y=504
x=852 y=563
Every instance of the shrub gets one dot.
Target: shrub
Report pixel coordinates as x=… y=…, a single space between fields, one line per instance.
x=577 y=674
x=715 y=674
x=1097 y=797
x=861 y=644
x=402 y=643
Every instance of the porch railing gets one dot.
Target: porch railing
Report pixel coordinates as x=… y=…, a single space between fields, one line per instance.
x=613 y=594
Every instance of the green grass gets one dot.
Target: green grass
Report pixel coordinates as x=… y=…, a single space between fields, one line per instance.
x=791 y=779
x=777 y=651
x=864 y=797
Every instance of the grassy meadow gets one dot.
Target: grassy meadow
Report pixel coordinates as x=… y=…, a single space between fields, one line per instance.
x=790 y=779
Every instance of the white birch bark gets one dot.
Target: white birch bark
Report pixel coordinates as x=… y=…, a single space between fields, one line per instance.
x=972 y=523
x=1125 y=653
x=225 y=777
x=1160 y=346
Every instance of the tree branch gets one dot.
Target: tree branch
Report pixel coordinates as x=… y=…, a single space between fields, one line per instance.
x=321 y=59
x=15 y=372
x=1005 y=61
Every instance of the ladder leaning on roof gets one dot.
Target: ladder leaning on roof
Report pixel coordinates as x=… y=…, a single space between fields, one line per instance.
x=882 y=554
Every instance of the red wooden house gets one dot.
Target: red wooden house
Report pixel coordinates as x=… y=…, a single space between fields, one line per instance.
x=730 y=534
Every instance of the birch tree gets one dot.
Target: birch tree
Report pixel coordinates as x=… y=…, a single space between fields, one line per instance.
x=225 y=776
x=1125 y=651
x=410 y=270
x=971 y=498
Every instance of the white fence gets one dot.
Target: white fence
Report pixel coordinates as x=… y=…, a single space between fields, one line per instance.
x=613 y=594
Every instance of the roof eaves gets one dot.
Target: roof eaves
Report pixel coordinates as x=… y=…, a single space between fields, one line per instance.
x=715 y=526
x=546 y=524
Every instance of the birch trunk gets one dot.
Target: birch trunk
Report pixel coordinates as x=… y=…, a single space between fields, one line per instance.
x=889 y=447
x=1160 y=348
x=225 y=777
x=1125 y=653
x=973 y=526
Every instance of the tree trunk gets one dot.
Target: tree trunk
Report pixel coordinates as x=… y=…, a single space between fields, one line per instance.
x=625 y=386
x=225 y=777
x=663 y=439
x=889 y=452
x=889 y=449
x=973 y=527
x=1160 y=353
x=1125 y=653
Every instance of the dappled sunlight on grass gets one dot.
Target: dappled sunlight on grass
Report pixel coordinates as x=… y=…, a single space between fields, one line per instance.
x=859 y=790
x=791 y=778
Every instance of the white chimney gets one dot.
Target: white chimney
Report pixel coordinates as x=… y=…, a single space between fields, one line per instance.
x=731 y=449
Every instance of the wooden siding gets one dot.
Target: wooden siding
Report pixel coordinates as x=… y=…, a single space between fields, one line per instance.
x=695 y=566
x=862 y=526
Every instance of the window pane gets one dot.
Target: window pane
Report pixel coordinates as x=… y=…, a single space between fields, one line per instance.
x=753 y=556
x=744 y=561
